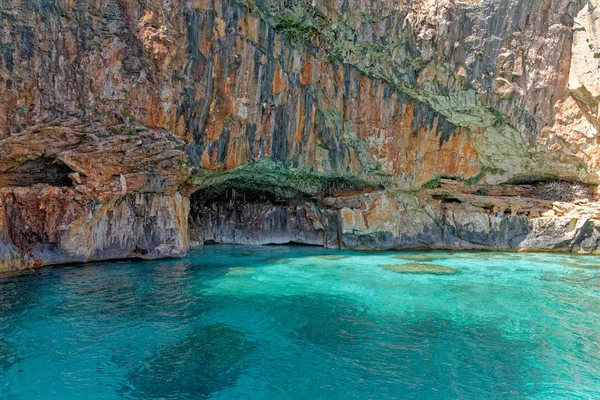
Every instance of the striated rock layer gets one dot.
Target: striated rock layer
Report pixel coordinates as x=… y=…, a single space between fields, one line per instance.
x=352 y=123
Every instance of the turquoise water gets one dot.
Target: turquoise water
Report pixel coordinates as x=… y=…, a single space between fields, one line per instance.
x=284 y=323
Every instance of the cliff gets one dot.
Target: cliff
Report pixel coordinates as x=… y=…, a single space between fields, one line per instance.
x=128 y=128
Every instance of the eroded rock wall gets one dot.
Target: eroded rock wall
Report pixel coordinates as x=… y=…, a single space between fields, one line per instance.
x=435 y=219
x=261 y=223
x=464 y=222
x=413 y=90
x=77 y=191
x=47 y=226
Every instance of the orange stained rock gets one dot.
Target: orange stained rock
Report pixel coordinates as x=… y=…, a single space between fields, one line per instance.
x=300 y=124
x=247 y=27
x=347 y=215
x=154 y=115
x=205 y=160
x=238 y=153
x=227 y=88
x=69 y=5
x=404 y=152
x=220 y=27
x=305 y=77
x=205 y=44
x=202 y=5
x=278 y=80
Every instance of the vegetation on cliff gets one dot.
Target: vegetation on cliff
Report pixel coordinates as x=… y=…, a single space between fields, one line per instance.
x=395 y=60
x=278 y=179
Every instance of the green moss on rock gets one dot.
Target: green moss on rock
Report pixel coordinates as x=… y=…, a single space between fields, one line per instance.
x=279 y=180
x=394 y=61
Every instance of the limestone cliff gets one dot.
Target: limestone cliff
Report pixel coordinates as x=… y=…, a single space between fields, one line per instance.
x=371 y=124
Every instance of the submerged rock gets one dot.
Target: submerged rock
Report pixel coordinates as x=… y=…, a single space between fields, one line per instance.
x=240 y=271
x=582 y=266
x=594 y=267
x=275 y=260
x=419 y=268
x=248 y=254
x=204 y=362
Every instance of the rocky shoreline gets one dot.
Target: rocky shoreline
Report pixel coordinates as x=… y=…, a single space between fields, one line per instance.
x=431 y=219
x=43 y=225
x=132 y=129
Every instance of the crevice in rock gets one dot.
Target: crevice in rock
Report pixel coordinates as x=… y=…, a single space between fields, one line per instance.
x=446 y=199
x=566 y=191
x=555 y=189
x=267 y=202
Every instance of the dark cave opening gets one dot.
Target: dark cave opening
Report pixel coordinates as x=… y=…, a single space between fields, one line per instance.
x=40 y=171
x=260 y=215
x=446 y=199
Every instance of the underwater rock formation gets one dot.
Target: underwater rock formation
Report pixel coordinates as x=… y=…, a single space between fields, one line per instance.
x=207 y=360
x=379 y=124
x=419 y=268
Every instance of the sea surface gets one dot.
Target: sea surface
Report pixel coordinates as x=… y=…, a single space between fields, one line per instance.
x=294 y=322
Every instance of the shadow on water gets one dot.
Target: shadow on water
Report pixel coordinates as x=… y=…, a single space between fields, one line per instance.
x=339 y=348
x=433 y=357
x=207 y=360
x=422 y=356
x=224 y=255
x=18 y=293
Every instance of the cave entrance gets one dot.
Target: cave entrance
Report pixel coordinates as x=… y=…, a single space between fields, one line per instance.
x=40 y=171
x=242 y=212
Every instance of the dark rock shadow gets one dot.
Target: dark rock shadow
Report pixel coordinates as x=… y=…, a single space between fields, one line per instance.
x=208 y=360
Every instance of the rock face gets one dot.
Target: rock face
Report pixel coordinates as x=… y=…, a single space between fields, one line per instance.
x=45 y=226
x=379 y=124
x=469 y=223
x=75 y=192
x=441 y=218
x=258 y=223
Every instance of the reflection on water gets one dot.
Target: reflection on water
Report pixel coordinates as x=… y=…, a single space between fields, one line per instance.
x=299 y=322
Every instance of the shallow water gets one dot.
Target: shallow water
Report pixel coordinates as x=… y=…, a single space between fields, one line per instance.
x=231 y=322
